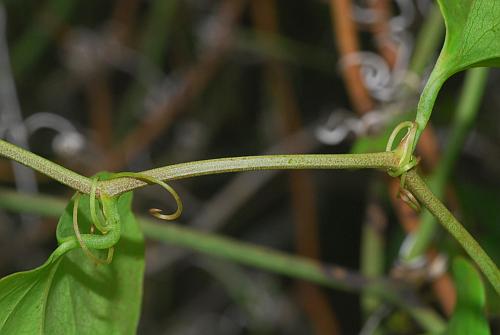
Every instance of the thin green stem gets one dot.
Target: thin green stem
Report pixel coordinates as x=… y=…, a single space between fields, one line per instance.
x=427 y=100
x=420 y=190
x=237 y=164
x=468 y=106
x=293 y=266
x=268 y=259
x=47 y=167
x=382 y=160
x=25 y=203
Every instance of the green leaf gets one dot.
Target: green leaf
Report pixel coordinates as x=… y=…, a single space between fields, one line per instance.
x=468 y=316
x=70 y=294
x=472 y=34
x=472 y=40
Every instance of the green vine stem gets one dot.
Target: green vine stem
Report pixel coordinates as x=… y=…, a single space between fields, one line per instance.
x=423 y=194
x=252 y=255
x=47 y=167
x=382 y=160
x=468 y=106
x=427 y=100
x=385 y=160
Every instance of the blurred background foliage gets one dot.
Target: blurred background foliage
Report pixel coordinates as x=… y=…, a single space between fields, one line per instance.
x=137 y=84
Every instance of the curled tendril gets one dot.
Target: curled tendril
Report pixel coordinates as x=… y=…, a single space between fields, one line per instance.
x=156 y=212
x=406 y=162
x=79 y=238
x=102 y=225
x=96 y=220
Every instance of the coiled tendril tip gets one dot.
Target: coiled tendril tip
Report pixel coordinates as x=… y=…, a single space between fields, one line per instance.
x=156 y=212
x=103 y=226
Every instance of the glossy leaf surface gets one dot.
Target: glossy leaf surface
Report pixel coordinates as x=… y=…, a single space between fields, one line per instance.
x=472 y=34
x=70 y=294
x=472 y=39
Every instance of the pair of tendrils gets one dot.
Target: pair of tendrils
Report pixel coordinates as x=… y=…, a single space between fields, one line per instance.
x=406 y=162
x=101 y=221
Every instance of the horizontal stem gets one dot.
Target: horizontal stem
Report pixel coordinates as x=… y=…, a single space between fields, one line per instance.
x=211 y=244
x=45 y=166
x=38 y=204
x=292 y=266
x=420 y=190
x=228 y=248
x=268 y=259
x=382 y=160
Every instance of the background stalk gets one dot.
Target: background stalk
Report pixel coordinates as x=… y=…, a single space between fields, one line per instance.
x=249 y=254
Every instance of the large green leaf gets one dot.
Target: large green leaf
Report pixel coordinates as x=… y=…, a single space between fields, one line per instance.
x=468 y=316
x=70 y=294
x=472 y=39
x=472 y=34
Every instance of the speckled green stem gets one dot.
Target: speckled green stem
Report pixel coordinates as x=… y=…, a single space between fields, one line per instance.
x=45 y=166
x=420 y=190
x=382 y=160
